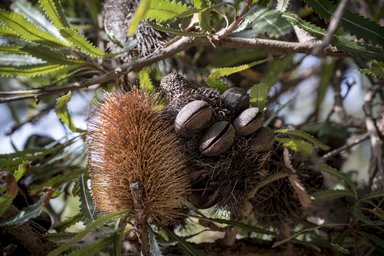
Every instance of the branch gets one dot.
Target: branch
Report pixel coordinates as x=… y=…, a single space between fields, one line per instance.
x=333 y=25
x=163 y=53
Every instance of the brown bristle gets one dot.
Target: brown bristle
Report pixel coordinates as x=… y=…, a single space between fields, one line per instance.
x=128 y=142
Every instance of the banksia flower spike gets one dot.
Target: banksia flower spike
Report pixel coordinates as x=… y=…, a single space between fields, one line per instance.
x=128 y=142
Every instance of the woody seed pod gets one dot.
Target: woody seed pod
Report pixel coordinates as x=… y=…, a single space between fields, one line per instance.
x=217 y=139
x=236 y=100
x=192 y=118
x=249 y=121
x=262 y=140
x=128 y=142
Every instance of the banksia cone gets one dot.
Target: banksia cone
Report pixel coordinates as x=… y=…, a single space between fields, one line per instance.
x=129 y=142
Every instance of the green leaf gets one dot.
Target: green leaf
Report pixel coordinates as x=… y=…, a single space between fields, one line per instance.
x=27 y=213
x=154 y=246
x=139 y=14
x=351 y=47
x=55 y=12
x=281 y=107
x=259 y=94
x=50 y=56
x=34 y=15
x=59 y=236
x=94 y=248
x=5 y=201
x=87 y=208
x=87 y=230
x=297 y=145
x=336 y=173
x=282 y=5
x=340 y=248
x=62 y=111
x=377 y=213
x=27 y=30
x=18 y=174
x=376 y=70
x=276 y=70
x=373 y=239
x=9 y=49
x=327 y=71
x=29 y=71
x=176 y=31
x=354 y=23
x=306 y=230
x=339 y=240
x=217 y=84
x=373 y=195
x=356 y=211
x=187 y=248
x=331 y=194
x=260 y=20
x=18 y=60
x=228 y=71
x=6 y=32
x=83 y=44
x=205 y=17
x=67 y=223
x=145 y=80
x=305 y=136
x=162 y=10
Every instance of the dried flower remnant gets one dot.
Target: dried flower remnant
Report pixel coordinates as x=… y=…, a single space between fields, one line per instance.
x=129 y=142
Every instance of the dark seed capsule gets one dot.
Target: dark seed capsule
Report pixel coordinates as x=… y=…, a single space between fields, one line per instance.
x=235 y=100
x=217 y=139
x=262 y=140
x=249 y=121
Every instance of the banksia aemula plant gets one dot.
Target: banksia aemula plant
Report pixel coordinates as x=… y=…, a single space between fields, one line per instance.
x=128 y=142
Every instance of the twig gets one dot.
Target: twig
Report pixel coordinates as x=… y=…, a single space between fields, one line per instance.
x=335 y=19
x=182 y=44
x=346 y=146
x=137 y=191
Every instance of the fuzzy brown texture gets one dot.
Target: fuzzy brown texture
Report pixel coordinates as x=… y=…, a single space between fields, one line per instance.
x=128 y=142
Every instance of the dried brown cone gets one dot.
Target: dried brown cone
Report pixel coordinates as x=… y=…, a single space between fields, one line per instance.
x=128 y=142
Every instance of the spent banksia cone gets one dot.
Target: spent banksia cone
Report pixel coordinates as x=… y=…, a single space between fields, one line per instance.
x=128 y=142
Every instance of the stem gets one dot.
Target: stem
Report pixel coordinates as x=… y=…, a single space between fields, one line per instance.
x=137 y=190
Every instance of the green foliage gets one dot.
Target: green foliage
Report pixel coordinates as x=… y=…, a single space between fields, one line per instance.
x=217 y=84
x=376 y=194
x=297 y=145
x=356 y=49
x=376 y=70
x=87 y=209
x=30 y=70
x=331 y=194
x=282 y=5
x=5 y=201
x=280 y=108
x=55 y=12
x=80 y=235
x=355 y=24
x=145 y=80
x=59 y=236
x=305 y=136
x=204 y=17
x=93 y=248
x=176 y=31
x=67 y=223
x=9 y=49
x=62 y=111
x=339 y=241
x=187 y=248
x=162 y=10
x=259 y=94
x=135 y=21
x=154 y=246
x=276 y=70
x=229 y=71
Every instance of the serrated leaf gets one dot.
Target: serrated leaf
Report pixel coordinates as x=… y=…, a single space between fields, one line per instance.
x=9 y=49
x=205 y=17
x=354 y=23
x=19 y=60
x=93 y=248
x=27 y=30
x=83 y=44
x=50 y=56
x=327 y=71
x=340 y=248
x=356 y=211
x=138 y=16
x=145 y=80
x=34 y=15
x=79 y=236
x=62 y=111
x=19 y=173
x=6 y=32
x=306 y=230
x=175 y=31
x=297 y=145
x=259 y=20
x=373 y=195
x=259 y=94
x=28 y=212
x=373 y=239
x=282 y=5
x=29 y=71
x=377 y=213
x=281 y=107
x=305 y=136
x=276 y=70
x=187 y=248
x=67 y=223
x=154 y=246
x=5 y=201
x=55 y=12
x=336 y=173
x=86 y=207
x=217 y=84
x=351 y=47
x=59 y=236
x=376 y=70
x=162 y=10
x=228 y=71
x=331 y=194
x=340 y=238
